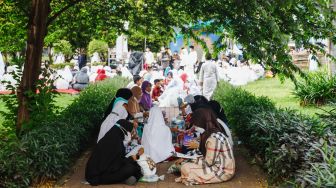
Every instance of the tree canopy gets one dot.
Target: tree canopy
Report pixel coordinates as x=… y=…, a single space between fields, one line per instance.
x=262 y=27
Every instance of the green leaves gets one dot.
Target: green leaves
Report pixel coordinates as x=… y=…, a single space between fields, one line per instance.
x=65 y=48
x=100 y=47
x=48 y=151
x=13 y=25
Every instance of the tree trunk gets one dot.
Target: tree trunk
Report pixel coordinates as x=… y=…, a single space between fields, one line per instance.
x=50 y=55
x=332 y=47
x=37 y=29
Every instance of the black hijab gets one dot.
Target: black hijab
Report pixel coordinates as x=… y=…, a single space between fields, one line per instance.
x=206 y=119
x=200 y=102
x=216 y=107
x=200 y=99
x=122 y=92
x=109 y=153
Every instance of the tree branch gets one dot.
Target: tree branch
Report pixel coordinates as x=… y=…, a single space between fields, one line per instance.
x=52 y=18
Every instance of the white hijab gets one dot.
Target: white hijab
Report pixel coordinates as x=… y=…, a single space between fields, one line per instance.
x=118 y=112
x=67 y=75
x=172 y=92
x=157 y=138
x=227 y=130
x=126 y=73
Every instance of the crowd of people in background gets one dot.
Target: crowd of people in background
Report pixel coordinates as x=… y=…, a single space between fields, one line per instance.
x=231 y=67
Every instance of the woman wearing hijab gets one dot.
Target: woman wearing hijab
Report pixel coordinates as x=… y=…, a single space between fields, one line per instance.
x=101 y=75
x=133 y=106
x=184 y=78
x=157 y=138
x=146 y=99
x=217 y=164
x=81 y=79
x=216 y=107
x=67 y=75
x=200 y=102
x=134 y=110
x=168 y=78
x=124 y=93
x=119 y=111
x=108 y=164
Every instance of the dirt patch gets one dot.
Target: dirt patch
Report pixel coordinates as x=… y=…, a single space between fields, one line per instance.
x=247 y=175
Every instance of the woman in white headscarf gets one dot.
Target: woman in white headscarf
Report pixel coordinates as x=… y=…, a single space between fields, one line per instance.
x=157 y=138
x=173 y=91
x=61 y=82
x=118 y=112
x=67 y=75
x=9 y=76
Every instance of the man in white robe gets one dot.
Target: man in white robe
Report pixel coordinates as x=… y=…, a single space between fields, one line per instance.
x=184 y=57
x=192 y=59
x=149 y=57
x=209 y=77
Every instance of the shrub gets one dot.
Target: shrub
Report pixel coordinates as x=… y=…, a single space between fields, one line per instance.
x=61 y=65
x=98 y=63
x=240 y=106
x=330 y=120
x=282 y=139
x=318 y=88
x=321 y=174
x=64 y=47
x=100 y=47
x=321 y=171
x=48 y=151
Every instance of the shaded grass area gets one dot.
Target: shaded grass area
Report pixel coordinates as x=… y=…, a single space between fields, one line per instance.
x=64 y=100
x=3 y=108
x=61 y=101
x=281 y=94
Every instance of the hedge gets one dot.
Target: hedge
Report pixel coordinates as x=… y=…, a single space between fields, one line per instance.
x=286 y=143
x=61 y=65
x=47 y=152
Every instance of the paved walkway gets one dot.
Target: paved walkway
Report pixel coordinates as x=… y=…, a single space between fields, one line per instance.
x=247 y=176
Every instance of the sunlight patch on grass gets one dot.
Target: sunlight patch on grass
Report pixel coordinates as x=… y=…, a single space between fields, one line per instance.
x=281 y=94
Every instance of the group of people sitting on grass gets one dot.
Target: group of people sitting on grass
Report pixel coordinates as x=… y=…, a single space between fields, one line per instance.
x=136 y=134
x=74 y=78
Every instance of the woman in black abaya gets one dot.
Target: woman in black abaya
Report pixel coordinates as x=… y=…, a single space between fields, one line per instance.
x=108 y=164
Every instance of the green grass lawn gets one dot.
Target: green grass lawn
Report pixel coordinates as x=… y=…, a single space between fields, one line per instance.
x=281 y=94
x=61 y=101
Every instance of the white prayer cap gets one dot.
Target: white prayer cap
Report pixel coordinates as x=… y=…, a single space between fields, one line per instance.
x=189 y=99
